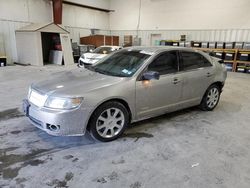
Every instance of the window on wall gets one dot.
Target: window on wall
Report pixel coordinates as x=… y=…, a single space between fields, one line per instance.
x=193 y=60
x=166 y=63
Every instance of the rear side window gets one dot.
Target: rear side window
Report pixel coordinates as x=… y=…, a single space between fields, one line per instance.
x=193 y=60
x=165 y=63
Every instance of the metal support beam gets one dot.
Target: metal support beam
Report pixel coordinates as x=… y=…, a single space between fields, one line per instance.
x=57 y=11
x=86 y=6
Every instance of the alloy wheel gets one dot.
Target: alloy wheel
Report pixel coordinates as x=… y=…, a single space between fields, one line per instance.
x=212 y=97
x=110 y=122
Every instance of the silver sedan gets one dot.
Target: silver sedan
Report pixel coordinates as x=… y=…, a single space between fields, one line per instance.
x=130 y=85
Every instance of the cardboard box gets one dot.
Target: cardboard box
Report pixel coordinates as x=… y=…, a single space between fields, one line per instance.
x=220 y=45
x=246 y=45
x=168 y=43
x=219 y=55
x=212 y=44
x=197 y=44
x=243 y=56
x=229 y=56
x=241 y=68
x=204 y=44
x=239 y=45
x=189 y=44
x=175 y=43
x=229 y=45
x=182 y=44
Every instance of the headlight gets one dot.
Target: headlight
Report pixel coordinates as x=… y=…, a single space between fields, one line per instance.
x=63 y=103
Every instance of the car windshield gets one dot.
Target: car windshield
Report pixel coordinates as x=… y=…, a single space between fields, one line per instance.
x=121 y=64
x=103 y=50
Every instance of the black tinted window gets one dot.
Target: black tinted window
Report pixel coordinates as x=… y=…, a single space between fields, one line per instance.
x=192 y=60
x=165 y=63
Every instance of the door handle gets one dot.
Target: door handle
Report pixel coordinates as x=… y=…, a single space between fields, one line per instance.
x=209 y=74
x=176 y=80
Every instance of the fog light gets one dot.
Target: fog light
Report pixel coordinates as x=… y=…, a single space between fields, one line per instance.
x=53 y=127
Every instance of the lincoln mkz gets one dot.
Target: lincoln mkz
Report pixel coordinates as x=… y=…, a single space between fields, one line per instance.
x=127 y=86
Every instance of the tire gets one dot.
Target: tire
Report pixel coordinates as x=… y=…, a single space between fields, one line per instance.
x=109 y=121
x=211 y=98
x=80 y=65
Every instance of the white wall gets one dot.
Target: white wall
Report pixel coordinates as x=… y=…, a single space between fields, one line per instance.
x=206 y=20
x=80 y=20
x=26 y=10
x=85 y=18
x=180 y=14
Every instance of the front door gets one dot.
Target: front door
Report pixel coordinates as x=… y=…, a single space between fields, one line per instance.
x=158 y=96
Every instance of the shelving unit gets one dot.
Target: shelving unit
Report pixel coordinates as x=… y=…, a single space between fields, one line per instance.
x=235 y=53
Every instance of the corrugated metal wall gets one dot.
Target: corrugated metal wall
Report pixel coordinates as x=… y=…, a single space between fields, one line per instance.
x=8 y=41
x=227 y=35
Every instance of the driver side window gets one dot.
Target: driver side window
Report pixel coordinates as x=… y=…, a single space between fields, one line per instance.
x=166 y=63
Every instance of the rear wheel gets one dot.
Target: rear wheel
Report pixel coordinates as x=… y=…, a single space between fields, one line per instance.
x=211 y=98
x=109 y=121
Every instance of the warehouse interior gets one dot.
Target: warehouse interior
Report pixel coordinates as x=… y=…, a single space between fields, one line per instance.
x=40 y=39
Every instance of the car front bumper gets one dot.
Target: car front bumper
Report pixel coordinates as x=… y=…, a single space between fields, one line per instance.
x=86 y=62
x=58 y=122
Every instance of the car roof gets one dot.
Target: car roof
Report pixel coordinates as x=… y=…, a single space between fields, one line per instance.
x=156 y=49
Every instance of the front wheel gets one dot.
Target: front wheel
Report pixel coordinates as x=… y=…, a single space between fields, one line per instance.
x=109 y=121
x=211 y=98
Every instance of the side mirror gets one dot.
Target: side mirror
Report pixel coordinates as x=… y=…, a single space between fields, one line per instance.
x=151 y=75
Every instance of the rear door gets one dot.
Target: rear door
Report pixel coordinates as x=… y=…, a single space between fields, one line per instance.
x=197 y=73
x=158 y=96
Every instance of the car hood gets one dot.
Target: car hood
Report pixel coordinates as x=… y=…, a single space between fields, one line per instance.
x=75 y=83
x=94 y=56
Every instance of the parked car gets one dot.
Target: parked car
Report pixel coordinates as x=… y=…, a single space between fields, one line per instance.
x=92 y=57
x=129 y=85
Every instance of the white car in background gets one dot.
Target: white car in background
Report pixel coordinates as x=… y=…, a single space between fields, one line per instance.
x=91 y=58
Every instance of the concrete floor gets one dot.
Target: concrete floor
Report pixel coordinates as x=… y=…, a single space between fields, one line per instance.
x=190 y=148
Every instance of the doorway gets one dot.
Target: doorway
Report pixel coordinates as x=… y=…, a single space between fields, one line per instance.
x=51 y=48
x=155 y=39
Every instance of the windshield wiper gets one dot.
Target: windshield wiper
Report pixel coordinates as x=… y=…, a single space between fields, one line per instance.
x=90 y=67
x=118 y=75
x=101 y=71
